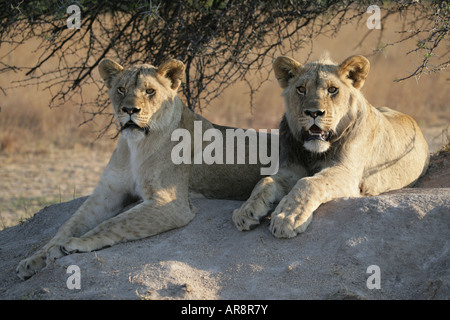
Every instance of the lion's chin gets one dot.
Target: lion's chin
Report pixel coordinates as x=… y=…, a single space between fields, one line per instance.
x=316 y=146
x=316 y=140
x=132 y=131
x=135 y=135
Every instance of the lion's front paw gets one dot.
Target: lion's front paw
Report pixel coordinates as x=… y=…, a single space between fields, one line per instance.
x=250 y=214
x=257 y=206
x=289 y=220
x=28 y=267
x=53 y=253
x=282 y=226
x=244 y=220
x=73 y=245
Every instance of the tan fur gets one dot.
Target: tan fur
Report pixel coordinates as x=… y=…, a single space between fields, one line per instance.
x=370 y=150
x=141 y=169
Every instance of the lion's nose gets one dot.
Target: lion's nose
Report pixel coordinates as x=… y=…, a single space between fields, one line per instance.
x=314 y=114
x=131 y=110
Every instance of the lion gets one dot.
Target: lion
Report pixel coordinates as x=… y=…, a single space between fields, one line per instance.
x=141 y=170
x=333 y=144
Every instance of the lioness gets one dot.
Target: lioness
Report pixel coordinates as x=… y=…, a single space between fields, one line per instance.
x=333 y=144
x=148 y=109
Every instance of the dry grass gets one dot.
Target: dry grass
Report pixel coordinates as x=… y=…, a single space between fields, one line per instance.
x=27 y=122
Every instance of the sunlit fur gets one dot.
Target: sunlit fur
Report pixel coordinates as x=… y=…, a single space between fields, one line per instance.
x=368 y=150
x=317 y=77
x=141 y=171
x=156 y=110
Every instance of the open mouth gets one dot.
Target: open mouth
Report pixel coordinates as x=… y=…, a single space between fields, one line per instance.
x=315 y=133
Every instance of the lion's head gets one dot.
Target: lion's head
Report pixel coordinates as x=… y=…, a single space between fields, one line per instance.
x=142 y=95
x=321 y=97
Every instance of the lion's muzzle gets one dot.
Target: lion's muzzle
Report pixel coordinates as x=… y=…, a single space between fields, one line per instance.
x=315 y=133
x=132 y=126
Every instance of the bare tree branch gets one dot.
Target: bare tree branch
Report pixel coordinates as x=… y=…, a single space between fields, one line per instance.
x=220 y=41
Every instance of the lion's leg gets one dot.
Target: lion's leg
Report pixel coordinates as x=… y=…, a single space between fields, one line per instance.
x=144 y=220
x=97 y=209
x=294 y=212
x=105 y=202
x=267 y=191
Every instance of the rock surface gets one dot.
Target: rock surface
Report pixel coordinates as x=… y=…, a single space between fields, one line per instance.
x=406 y=233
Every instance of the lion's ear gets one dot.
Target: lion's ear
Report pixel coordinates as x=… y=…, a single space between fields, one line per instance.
x=285 y=69
x=109 y=70
x=174 y=71
x=355 y=68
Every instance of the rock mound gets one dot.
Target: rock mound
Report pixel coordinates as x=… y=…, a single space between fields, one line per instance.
x=404 y=234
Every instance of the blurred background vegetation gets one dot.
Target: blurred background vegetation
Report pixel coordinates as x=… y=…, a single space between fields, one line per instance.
x=221 y=42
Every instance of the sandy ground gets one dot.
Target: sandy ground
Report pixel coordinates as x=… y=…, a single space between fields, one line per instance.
x=30 y=181
x=405 y=233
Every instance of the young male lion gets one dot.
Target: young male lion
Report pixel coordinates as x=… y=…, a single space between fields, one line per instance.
x=148 y=109
x=333 y=144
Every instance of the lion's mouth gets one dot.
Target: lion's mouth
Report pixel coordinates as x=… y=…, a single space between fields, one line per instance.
x=315 y=133
x=131 y=125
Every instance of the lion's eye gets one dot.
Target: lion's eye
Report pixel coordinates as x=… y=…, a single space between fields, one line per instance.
x=332 y=90
x=301 y=90
x=121 y=90
x=150 y=92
